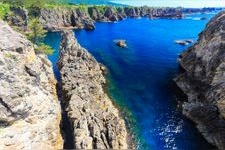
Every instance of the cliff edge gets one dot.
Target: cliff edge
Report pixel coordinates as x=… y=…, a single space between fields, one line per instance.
x=30 y=113
x=96 y=122
x=203 y=81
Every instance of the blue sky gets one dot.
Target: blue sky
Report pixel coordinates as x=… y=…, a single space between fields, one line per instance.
x=174 y=3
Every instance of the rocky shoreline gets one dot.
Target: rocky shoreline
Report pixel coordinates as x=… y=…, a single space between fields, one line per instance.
x=30 y=112
x=203 y=81
x=60 y=17
x=31 y=115
x=96 y=122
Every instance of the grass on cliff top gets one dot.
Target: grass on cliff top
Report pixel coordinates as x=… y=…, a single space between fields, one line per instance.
x=4 y=10
x=77 y=6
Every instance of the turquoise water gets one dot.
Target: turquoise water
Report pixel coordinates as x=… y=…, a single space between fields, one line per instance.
x=141 y=76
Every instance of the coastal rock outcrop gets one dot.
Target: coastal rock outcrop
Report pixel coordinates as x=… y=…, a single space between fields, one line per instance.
x=203 y=81
x=30 y=113
x=96 y=122
x=59 y=18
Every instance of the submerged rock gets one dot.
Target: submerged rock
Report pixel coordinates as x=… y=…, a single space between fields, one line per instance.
x=203 y=18
x=30 y=113
x=96 y=122
x=184 y=42
x=203 y=81
x=181 y=42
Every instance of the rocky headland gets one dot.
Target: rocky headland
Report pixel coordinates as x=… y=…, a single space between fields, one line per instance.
x=60 y=17
x=203 y=81
x=96 y=122
x=84 y=17
x=30 y=112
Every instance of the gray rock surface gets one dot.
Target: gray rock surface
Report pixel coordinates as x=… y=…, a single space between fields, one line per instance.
x=60 y=18
x=203 y=81
x=30 y=113
x=96 y=122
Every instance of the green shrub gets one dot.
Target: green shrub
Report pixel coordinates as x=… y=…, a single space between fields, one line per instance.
x=42 y=48
x=4 y=10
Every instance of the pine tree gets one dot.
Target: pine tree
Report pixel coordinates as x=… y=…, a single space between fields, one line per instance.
x=36 y=35
x=37 y=32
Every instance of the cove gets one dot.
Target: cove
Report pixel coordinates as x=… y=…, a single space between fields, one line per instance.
x=140 y=78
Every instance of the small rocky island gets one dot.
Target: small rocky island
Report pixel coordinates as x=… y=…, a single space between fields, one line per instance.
x=121 y=43
x=203 y=81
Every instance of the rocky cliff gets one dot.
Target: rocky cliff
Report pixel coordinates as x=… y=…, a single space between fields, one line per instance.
x=30 y=113
x=96 y=122
x=59 y=18
x=203 y=81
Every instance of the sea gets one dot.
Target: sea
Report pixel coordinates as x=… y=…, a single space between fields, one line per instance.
x=140 y=77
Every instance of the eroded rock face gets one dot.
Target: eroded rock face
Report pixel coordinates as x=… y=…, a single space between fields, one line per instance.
x=96 y=122
x=204 y=81
x=60 y=18
x=29 y=109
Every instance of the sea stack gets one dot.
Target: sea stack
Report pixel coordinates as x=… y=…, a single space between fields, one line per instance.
x=203 y=81
x=30 y=113
x=96 y=122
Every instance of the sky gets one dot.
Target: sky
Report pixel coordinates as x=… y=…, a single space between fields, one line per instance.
x=174 y=3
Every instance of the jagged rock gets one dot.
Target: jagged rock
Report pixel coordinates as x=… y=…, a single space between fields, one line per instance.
x=96 y=122
x=18 y=17
x=30 y=113
x=89 y=25
x=61 y=18
x=203 y=81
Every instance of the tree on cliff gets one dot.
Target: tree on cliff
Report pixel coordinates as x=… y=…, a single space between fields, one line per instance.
x=36 y=35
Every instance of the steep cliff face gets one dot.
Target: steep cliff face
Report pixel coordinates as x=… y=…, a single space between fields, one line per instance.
x=60 y=18
x=29 y=110
x=204 y=81
x=96 y=122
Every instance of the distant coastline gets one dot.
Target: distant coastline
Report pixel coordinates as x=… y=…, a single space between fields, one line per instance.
x=168 y=3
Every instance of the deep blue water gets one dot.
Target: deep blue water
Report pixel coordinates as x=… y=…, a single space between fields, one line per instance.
x=141 y=76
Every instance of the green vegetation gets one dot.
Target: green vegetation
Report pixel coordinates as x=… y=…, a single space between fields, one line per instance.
x=4 y=10
x=44 y=49
x=36 y=35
